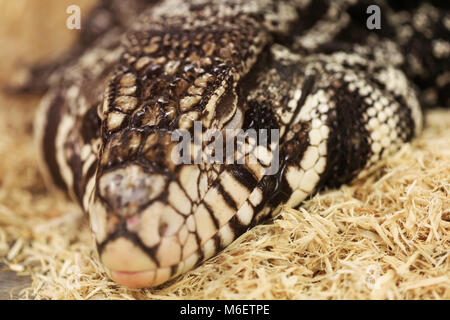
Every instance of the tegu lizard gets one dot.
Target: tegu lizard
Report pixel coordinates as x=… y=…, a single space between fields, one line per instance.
x=335 y=92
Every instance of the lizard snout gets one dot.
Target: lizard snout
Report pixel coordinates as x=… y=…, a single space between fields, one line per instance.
x=142 y=226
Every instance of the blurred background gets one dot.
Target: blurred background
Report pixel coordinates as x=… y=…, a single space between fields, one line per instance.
x=34 y=30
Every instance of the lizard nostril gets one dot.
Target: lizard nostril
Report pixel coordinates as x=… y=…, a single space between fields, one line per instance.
x=162 y=228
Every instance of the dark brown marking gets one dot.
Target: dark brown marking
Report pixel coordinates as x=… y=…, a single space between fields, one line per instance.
x=49 y=141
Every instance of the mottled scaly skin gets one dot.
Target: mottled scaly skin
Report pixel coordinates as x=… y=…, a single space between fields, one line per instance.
x=338 y=97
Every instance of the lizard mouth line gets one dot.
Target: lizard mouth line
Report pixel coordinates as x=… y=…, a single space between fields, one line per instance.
x=137 y=279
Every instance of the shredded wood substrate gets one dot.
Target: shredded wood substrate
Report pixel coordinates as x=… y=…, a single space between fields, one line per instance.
x=384 y=237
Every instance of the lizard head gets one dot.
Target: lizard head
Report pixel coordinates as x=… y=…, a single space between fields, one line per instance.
x=152 y=216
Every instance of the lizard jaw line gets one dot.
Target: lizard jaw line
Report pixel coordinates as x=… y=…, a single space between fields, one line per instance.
x=137 y=280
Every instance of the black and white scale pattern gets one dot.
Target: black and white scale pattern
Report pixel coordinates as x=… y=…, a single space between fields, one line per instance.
x=342 y=97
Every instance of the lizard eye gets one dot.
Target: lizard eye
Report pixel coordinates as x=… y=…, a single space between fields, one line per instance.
x=228 y=114
x=237 y=121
